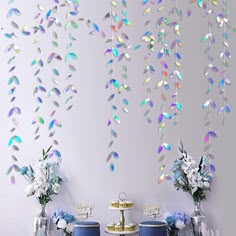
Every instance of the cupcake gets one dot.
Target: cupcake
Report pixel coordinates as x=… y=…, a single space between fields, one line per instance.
x=111 y=227
x=122 y=204
x=118 y=227
x=115 y=204
x=129 y=204
x=127 y=228
x=132 y=226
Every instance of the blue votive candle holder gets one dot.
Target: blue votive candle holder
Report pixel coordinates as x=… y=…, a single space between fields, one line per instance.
x=86 y=229
x=152 y=228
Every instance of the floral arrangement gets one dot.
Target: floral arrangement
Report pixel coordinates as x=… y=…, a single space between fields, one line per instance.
x=192 y=177
x=64 y=221
x=44 y=180
x=175 y=222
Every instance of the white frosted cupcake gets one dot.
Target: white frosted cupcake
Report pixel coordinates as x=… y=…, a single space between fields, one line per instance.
x=118 y=227
x=129 y=204
x=111 y=227
x=115 y=204
x=122 y=204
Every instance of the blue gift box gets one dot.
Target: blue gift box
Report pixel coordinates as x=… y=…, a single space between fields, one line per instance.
x=86 y=229
x=152 y=228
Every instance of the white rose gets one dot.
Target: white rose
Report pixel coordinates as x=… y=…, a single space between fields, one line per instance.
x=179 y=224
x=206 y=184
x=56 y=187
x=200 y=184
x=61 y=224
x=29 y=190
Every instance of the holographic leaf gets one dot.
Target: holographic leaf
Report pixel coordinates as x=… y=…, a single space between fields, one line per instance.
x=13 y=180
x=227 y=109
x=112 y=167
x=15 y=148
x=146 y=101
x=166 y=146
x=55 y=91
x=162 y=126
x=160 y=149
x=147 y=11
x=17 y=110
x=161 y=117
x=41 y=120
x=127 y=22
x=49 y=13
x=161 y=178
x=56 y=153
x=14 y=158
x=212 y=168
x=51 y=124
x=116 y=119
x=210 y=134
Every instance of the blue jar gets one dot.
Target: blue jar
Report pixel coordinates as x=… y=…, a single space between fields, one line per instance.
x=152 y=228
x=86 y=229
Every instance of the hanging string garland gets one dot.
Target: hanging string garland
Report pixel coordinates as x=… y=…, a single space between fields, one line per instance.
x=38 y=62
x=210 y=72
x=55 y=59
x=118 y=51
x=71 y=55
x=172 y=53
x=165 y=56
x=224 y=56
x=15 y=111
x=169 y=80
x=149 y=70
x=124 y=56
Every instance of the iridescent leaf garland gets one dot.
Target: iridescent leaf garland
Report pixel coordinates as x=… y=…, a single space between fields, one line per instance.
x=175 y=76
x=124 y=56
x=149 y=38
x=71 y=55
x=118 y=51
x=164 y=24
x=38 y=62
x=210 y=72
x=112 y=84
x=56 y=60
x=13 y=81
x=224 y=56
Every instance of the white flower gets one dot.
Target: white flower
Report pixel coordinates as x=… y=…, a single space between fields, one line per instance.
x=179 y=224
x=206 y=184
x=69 y=227
x=61 y=224
x=56 y=187
x=29 y=190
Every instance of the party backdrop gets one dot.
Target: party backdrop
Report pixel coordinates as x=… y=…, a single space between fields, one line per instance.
x=114 y=86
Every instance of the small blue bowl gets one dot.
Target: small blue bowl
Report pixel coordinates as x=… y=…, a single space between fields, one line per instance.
x=86 y=229
x=152 y=228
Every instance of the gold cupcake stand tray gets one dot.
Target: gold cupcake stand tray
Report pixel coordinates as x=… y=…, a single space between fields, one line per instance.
x=121 y=230
x=121 y=233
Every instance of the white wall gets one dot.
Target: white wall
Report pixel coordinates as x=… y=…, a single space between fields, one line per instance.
x=84 y=135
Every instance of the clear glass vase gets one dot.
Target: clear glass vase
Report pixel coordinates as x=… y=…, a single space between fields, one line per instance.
x=42 y=223
x=198 y=220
